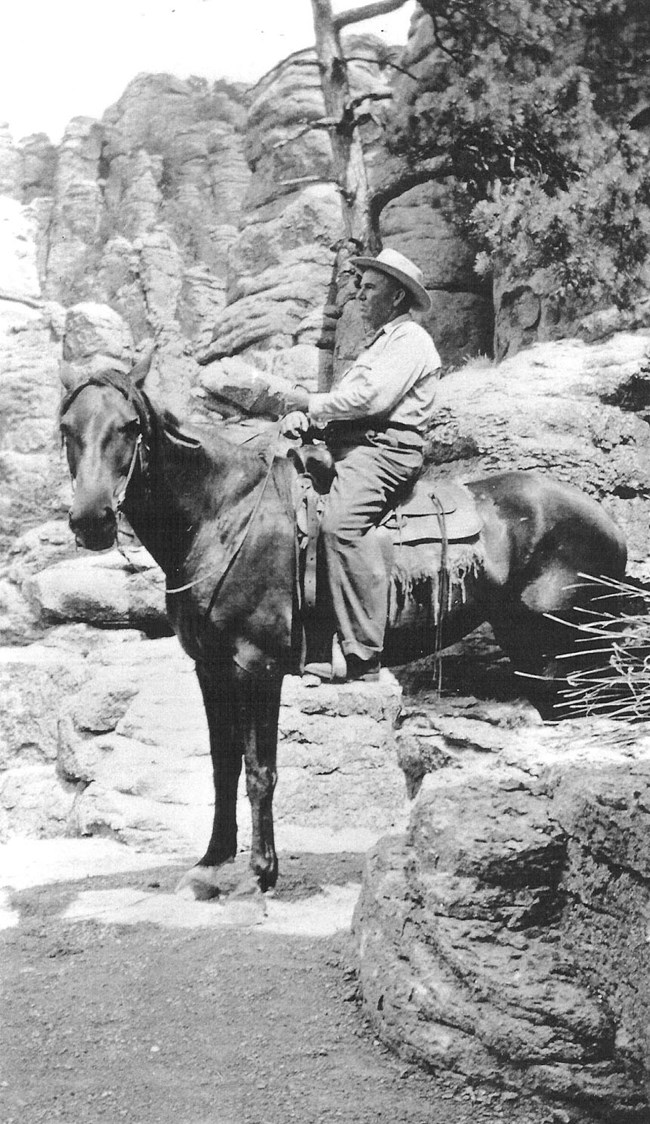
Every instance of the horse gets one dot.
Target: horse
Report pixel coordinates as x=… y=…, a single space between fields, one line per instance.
x=219 y=519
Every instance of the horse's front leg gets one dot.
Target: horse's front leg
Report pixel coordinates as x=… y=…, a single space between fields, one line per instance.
x=257 y=711
x=218 y=689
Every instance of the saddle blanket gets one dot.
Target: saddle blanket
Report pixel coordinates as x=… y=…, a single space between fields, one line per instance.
x=433 y=533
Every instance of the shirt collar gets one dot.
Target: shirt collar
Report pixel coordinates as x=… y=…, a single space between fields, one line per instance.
x=389 y=327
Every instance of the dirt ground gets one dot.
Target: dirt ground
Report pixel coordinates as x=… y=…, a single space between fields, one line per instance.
x=242 y=1023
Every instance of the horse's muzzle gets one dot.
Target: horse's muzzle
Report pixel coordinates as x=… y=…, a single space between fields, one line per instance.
x=96 y=532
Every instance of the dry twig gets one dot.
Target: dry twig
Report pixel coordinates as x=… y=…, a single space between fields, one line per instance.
x=617 y=684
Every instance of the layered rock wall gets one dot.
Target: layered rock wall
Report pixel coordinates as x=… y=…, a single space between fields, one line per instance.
x=282 y=289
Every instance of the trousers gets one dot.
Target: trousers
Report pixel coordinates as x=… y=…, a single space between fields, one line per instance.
x=368 y=475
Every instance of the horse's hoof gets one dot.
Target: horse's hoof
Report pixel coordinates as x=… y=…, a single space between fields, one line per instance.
x=201 y=884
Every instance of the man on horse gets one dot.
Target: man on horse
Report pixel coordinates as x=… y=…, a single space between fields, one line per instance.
x=374 y=420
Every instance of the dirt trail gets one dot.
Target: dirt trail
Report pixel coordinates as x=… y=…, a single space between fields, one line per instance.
x=179 y=1023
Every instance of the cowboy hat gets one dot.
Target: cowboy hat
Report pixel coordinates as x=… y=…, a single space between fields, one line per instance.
x=403 y=270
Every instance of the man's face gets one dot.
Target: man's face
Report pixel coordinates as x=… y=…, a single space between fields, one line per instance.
x=377 y=296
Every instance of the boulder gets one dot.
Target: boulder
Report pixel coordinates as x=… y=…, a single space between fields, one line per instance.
x=236 y=386
x=95 y=333
x=101 y=590
x=502 y=937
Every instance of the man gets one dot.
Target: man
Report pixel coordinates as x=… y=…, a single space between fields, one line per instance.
x=375 y=419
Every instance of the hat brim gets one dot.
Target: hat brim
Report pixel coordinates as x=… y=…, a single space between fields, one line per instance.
x=418 y=292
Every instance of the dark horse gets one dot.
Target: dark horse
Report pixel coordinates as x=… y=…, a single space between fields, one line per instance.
x=219 y=521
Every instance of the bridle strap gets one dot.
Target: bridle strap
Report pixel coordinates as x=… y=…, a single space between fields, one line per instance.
x=137 y=454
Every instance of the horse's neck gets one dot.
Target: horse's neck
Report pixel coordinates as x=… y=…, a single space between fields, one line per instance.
x=182 y=489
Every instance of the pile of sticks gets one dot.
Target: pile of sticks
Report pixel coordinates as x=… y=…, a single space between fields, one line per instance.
x=612 y=654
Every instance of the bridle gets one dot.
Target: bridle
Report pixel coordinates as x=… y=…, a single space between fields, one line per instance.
x=141 y=455
x=137 y=456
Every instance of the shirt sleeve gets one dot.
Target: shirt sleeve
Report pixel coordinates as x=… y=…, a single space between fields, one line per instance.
x=375 y=384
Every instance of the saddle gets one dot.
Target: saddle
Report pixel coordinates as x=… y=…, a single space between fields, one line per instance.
x=429 y=512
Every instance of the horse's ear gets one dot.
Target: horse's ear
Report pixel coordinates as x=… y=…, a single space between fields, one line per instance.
x=69 y=377
x=141 y=368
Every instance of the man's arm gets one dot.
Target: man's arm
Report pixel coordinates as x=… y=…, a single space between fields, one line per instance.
x=377 y=382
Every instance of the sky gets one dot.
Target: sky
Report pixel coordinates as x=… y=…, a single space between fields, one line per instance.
x=67 y=58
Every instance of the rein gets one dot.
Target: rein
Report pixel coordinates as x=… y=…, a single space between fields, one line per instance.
x=236 y=551
x=141 y=456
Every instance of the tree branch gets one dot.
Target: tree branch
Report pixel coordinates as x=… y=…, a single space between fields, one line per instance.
x=356 y=15
x=384 y=62
x=436 y=168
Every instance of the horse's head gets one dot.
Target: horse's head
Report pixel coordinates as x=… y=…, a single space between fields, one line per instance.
x=101 y=421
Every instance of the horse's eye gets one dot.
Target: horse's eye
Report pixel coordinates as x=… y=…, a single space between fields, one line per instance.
x=130 y=428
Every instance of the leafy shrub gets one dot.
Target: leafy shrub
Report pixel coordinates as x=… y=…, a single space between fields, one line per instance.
x=523 y=99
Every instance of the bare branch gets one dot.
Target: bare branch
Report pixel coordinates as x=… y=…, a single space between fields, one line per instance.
x=356 y=102
x=356 y=15
x=384 y=62
x=436 y=168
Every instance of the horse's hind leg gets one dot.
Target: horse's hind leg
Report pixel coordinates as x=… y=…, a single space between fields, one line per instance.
x=218 y=691
x=533 y=643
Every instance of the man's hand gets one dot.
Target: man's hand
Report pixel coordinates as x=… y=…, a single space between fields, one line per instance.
x=293 y=424
x=297 y=399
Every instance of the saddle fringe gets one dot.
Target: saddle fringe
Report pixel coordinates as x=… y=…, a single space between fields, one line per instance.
x=415 y=581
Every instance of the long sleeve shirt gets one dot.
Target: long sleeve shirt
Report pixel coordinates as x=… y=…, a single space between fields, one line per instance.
x=394 y=378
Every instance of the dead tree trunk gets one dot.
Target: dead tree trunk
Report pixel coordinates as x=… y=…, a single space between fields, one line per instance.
x=347 y=150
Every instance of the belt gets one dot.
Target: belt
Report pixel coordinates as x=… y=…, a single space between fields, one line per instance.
x=346 y=429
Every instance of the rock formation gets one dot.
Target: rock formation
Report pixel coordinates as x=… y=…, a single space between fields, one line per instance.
x=106 y=734
x=504 y=936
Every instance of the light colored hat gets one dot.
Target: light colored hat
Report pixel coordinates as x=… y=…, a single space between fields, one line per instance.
x=403 y=270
